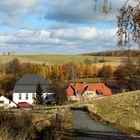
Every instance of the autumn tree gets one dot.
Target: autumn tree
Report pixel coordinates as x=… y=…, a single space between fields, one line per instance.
x=14 y=66
x=8 y=82
x=81 y=70
x=87 y=71
x=90 y=71
x=95 y=71
x=119 y=73
x=129 y=66
x=60 y=91
x=69 y=71
x=30 y=68
x=54 y=72
x=106 y=71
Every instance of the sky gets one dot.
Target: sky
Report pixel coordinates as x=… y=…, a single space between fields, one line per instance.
x=57 y=26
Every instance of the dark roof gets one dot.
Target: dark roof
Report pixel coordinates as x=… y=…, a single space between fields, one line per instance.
x=31 y=89
x=28 y=84
x=32 y=79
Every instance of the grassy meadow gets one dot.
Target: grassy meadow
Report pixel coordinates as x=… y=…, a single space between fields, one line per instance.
x=61 y=59
x=121 y=110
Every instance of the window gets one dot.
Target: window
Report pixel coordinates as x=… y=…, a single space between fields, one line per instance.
x=89 y=93
x=20 y=96
x=1 y=102
x=26 y=96
x=33 y=96
x=9 y=102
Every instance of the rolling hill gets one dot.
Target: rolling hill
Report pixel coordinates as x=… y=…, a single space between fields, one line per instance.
x=61 y=59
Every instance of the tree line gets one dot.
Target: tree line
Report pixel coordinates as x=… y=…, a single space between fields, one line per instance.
x=118 y=53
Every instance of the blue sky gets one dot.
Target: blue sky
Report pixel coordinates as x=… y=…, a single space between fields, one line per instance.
x=56 y=26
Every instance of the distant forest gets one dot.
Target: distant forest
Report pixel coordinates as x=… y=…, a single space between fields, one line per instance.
x=118 y=53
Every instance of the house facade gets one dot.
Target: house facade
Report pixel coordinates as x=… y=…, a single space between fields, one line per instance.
x=87 y=91
x=25 y=89
x=6 y=103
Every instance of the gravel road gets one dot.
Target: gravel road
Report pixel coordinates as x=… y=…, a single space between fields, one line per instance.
x=88 y=129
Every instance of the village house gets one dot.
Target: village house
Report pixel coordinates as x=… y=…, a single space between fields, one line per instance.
x=25 y=89
x=87 y=91
x=6 y=103
x=118 y=86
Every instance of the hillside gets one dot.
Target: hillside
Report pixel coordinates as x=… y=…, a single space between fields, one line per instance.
x=61 y=59
x=122 y=110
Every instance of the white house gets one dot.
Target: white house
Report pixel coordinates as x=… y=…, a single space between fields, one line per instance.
x=6 y=103
x=25 y=88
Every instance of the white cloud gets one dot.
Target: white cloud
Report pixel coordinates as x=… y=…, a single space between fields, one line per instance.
x=61 y=41
x=72 y=32
x=88 y=34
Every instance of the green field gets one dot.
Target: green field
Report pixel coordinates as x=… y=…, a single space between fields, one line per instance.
x=61 y=59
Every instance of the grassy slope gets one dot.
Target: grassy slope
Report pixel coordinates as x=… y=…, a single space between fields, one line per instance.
x=60 y=59
x=122 y=110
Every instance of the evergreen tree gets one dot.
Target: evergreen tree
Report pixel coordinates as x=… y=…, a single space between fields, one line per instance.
x=39 y=92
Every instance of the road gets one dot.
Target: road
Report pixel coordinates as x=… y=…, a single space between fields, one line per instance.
x=88 y=129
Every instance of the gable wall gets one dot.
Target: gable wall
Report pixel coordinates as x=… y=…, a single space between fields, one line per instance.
x=4 y=102
x=90 y=94
x=23 y=97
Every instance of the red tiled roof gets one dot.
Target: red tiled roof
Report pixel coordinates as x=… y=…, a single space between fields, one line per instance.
x=79 y=87
x=24 y=105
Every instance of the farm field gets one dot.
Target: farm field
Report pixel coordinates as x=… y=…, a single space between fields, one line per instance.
x=61 y=59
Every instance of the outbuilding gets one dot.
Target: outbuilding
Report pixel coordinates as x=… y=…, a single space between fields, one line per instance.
x=6 y=103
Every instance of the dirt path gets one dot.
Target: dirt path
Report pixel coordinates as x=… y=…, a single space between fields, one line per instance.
x=88 y=129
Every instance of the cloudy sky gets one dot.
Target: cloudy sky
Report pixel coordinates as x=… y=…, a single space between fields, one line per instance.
x=56 y=26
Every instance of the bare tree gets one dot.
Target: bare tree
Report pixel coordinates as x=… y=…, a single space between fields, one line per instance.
x=128 y=22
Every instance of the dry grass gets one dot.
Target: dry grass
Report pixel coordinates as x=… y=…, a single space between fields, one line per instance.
x=29 y=125
x=15 y=127
x=121 y=110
